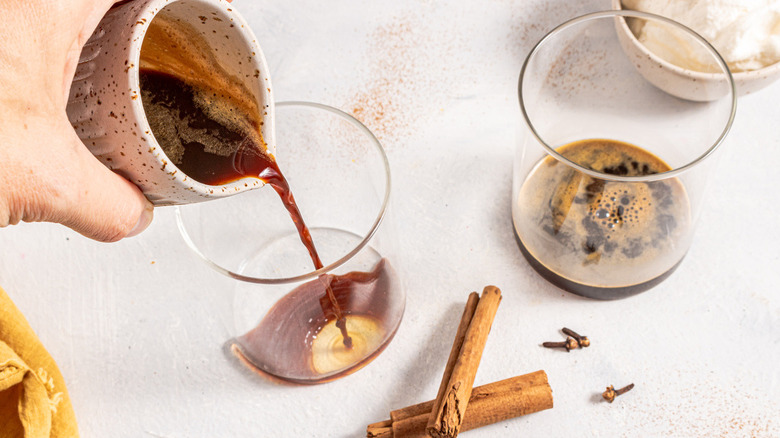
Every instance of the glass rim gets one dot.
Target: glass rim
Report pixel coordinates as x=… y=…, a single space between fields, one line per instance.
x=631 y=14
x=345 y=258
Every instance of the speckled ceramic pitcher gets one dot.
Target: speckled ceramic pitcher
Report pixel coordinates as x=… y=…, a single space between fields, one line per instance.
x=105 y=106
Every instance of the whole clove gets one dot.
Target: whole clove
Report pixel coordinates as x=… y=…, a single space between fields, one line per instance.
x=583 y=341
x=610 y=394
x=569 y=344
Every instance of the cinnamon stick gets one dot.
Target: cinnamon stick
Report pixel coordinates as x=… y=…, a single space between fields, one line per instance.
x=457 y=344
x=488 y=404
x=425 y=408
x=373 y=431
x=450 y=405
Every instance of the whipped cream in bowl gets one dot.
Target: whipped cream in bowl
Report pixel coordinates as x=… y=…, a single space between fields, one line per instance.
x=746 y=33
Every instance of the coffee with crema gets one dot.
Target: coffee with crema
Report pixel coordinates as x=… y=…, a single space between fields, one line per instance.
x=598 y=237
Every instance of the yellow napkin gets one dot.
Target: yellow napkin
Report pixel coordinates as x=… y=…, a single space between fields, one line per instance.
x=33 y=399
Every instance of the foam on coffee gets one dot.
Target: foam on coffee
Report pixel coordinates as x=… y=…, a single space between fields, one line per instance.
x=175 y=48
x=602 y=233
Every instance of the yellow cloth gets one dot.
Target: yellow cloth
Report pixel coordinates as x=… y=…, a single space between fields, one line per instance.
x=33 y=399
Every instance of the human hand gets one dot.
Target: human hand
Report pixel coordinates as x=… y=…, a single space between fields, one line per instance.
x=46 y=172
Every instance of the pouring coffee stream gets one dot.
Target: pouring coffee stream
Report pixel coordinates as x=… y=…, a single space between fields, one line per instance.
x=209 y=146
x=197 y=122
x=211 y=127
x=272 y=176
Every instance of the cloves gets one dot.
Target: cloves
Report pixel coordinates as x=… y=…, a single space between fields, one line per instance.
x=610 y=394
x=569 y=344
x=583 y=341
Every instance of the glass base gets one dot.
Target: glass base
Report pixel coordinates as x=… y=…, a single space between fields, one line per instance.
x=589 y=291
x=353 y=362
x=301 y=339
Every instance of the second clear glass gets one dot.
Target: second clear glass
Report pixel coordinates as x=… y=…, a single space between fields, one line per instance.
x=610 y=171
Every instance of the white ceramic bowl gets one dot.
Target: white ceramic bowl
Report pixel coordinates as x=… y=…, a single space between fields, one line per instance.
x=685 y=83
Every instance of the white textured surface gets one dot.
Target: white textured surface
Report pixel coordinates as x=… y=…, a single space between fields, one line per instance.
x=137 y=327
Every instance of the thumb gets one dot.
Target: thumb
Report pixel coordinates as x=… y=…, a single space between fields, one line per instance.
x=101 y=204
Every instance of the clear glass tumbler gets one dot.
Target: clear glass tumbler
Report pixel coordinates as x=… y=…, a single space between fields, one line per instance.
x=610 y=169
x=286 y=323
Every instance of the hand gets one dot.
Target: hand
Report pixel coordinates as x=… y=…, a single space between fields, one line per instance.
x=46 y=172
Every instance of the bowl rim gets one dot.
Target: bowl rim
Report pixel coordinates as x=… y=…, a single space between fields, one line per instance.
x=645 y=178
x=617 y=5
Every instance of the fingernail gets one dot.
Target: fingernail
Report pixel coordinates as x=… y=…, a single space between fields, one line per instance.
x=146 y=218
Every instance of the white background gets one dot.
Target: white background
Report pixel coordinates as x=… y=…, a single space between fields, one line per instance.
x=137 y=327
